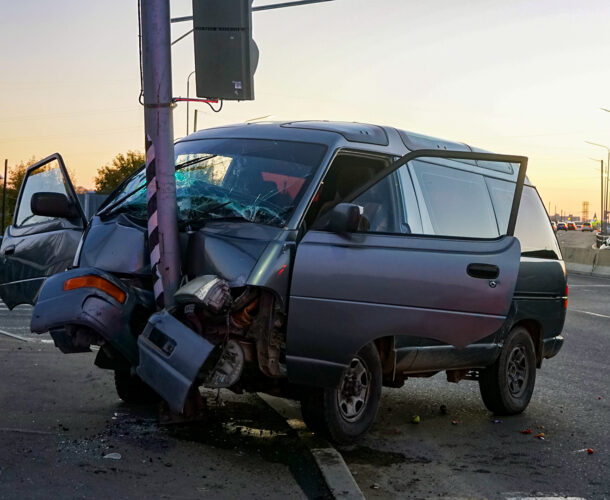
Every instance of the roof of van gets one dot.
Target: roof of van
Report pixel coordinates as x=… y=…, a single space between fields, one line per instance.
x=365 y=133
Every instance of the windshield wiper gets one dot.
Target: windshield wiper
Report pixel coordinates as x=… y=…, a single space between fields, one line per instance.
x=184 y=164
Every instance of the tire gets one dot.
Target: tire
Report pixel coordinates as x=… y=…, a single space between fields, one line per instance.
x=133 y=390
x=345 y=413
x=507 y=385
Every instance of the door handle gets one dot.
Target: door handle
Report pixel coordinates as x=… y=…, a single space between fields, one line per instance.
x=9 y=250
x=483 y=271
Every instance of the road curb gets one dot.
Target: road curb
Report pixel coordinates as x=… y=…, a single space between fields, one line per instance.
x=336 y=474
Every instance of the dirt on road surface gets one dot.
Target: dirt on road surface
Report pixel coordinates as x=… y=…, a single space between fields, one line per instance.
x=60 y=417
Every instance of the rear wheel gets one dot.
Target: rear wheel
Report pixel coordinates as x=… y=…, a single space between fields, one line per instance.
x=507 y=385
x=132 y=388
x=346 y=412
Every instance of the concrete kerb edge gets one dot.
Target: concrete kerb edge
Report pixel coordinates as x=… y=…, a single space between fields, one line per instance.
x=333 y=468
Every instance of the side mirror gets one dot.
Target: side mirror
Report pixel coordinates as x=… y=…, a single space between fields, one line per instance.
x=344 y=218
x=56 y=205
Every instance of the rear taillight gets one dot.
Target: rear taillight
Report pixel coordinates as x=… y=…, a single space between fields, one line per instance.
x=565 y=299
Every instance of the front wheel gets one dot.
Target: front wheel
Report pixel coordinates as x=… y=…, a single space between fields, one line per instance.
x=132 y=388
x=346 y=412
x=507 y=385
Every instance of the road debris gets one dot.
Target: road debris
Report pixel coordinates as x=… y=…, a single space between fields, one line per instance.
x=444 y=410
x=455 y=422
x=498 y=421
x=590 y=451
x=540 y=436
x=526 y=431
x=113 y=456
x=416 y=419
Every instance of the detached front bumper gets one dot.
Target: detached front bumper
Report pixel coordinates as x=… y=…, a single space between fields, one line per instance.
x=88 y=309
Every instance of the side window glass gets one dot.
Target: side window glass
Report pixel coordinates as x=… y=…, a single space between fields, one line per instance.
x=48 y=178
x=533 y=227
x=382 y=210
x=347 y=172
x=457 y=202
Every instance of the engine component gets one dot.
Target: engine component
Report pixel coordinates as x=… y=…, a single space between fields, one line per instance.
x=75 y=339
x=243 y=318
x=266 y=330
x=229 y=367
x=209 y=291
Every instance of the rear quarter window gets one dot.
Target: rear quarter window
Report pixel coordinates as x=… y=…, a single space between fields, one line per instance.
x=533 y=228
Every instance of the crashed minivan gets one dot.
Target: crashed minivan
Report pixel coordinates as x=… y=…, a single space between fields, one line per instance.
x=320 y=262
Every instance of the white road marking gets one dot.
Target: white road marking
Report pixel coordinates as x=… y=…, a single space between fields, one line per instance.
x=12 y=335
x=337 y=475
x=545 y=498
x=590 y=313
x=587 y=286
x=26 y=431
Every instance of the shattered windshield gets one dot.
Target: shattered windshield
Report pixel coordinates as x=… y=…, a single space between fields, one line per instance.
x=244 y=179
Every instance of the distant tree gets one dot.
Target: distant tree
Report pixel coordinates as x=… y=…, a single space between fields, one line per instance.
x=111 y=175
x=14 y=181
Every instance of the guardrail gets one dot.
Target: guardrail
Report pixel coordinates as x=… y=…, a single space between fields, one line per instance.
x=589 y=260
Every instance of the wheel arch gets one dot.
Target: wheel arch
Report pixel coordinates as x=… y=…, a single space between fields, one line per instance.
x=386 y=347
x=534 y=328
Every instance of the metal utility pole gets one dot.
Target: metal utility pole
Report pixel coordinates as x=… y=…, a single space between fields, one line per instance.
x=604 y=227
x=4 y=195
x=158 y=124
x=188 y=95
x=602 y=217
x=607 y=196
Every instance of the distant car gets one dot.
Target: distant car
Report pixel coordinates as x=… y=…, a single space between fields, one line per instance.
x=562 y=226
x=571 y=226
x=554 y=225
x=586 y=226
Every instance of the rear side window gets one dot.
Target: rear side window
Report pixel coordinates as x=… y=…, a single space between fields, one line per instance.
x=457 y=202
x=533 y=228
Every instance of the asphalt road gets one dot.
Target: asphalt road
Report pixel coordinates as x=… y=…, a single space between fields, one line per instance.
x=481 y=457
x=60 y=416
x=580 y=239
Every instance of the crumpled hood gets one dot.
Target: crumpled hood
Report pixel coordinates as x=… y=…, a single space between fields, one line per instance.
x=229 y=249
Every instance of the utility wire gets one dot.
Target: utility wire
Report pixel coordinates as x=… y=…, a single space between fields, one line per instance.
x=140 y=97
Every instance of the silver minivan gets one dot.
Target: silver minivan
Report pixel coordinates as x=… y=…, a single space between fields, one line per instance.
x=321 y=261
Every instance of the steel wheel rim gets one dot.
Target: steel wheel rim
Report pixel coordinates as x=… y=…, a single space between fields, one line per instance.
x=517 y=371
x=353 y=393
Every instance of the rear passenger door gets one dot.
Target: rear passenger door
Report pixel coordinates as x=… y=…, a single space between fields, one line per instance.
x=439 y=265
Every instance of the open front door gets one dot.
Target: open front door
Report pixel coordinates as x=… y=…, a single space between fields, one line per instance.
x=434 y=258
x=37 y=246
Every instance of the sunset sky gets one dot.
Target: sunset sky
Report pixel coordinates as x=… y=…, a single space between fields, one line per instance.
x=519 y=77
